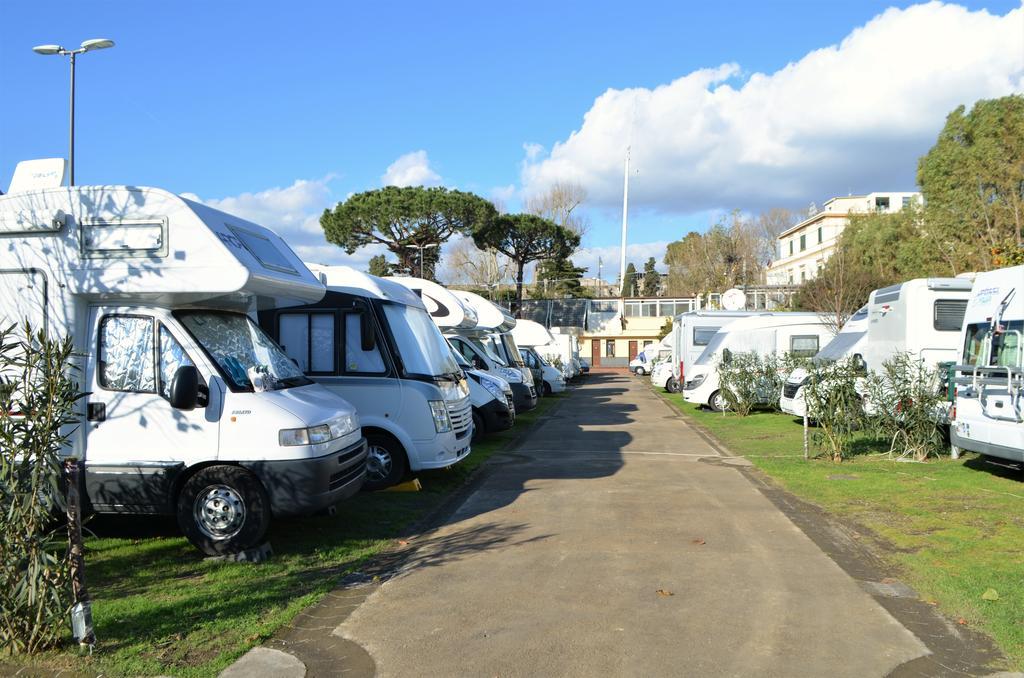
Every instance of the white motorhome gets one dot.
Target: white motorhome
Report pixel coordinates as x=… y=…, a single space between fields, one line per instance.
x=564 y=349
x=800 y=334
x=988 y=410
x=529 y=336
x=191 y=409
x=459 y=323
x=691 y=332
x=493 y=407
x=372 y=341
x=849 y=342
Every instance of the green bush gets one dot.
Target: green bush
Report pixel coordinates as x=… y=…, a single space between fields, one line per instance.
x=37 y=400
x=833 y=402
x=906 y=403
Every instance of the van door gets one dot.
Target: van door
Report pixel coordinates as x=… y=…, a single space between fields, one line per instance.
x=136 y=442
x=1003 y=402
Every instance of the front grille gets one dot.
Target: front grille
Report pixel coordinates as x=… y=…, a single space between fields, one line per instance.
x=508 y=401
x=342 y=478
x=789 y=390
x=461 y=414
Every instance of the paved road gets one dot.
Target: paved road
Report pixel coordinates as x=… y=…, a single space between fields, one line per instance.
x=616 y=541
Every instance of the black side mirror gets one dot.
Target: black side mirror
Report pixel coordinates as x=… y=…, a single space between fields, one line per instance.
x=726 y=356
x=478 y=363
x=367 y=332
x=860 y=363
x=184 y=393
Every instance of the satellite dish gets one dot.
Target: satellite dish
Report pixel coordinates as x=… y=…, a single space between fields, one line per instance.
x=734 y=300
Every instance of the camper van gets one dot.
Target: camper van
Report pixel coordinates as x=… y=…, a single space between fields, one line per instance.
x=371 y=341
x=988 y=410
x=529 y=336
x=191 y=409
x=849 y=342
x=800 y=334
x=691 y=333
x=493 y=407
x=564 y=349
x=460 y=324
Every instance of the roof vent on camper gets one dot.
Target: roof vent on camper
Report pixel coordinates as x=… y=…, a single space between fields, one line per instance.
x=34 y=174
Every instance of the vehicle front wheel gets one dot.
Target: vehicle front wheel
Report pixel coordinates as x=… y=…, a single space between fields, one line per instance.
x=223 y=509
x=385 y=462
x=640 y=371
x=547 y=389
x=671 y=386
x=717 y=402
x=478 y=426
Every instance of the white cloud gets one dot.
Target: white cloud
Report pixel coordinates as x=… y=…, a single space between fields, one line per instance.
x=636 y=253
x=411 y=169
x=849 y=117
x=294 y=214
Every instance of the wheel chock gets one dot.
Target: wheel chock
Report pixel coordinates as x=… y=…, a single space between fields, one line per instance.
x=408 y=486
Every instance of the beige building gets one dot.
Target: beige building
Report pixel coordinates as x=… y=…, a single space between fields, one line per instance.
x=617 y=329
x=804 y=248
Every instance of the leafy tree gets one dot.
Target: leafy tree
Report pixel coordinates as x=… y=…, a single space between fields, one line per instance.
x=379 y=266
x=403 y=219
x=973 y=184
x=731 y=253
x=665 y=328
x=652 y=279
x=557 y=278
x=525 y=238
x=629 y=286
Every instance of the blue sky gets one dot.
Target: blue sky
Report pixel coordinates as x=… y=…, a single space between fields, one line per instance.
x=227 y=99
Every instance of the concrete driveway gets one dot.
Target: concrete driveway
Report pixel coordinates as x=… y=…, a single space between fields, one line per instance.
x=616 y=541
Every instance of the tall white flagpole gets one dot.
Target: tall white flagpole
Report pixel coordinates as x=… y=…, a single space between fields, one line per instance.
x=625 y=223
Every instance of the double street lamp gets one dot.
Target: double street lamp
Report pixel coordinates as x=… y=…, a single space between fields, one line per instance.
x=87 y=46
x=421 y=248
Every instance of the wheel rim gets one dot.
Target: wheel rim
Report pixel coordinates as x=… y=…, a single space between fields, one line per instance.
x=378 y=463
x=219 y=512
x=718 y=402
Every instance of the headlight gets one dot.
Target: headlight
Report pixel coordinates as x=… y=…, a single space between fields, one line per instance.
x=493 y=388
x=696 y=381
x=442 y=424
x=510 y=375
x=314 y=435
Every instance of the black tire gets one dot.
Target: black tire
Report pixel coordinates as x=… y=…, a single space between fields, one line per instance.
x=478 y=426
x=547 y=389
x=386 y=463
x=223 y=509
x=717 y=402
x=671 y=386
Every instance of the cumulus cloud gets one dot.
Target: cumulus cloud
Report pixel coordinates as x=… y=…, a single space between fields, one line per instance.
x=293 y=212
x=636 y=253
x=411 y=169
x=848 y=117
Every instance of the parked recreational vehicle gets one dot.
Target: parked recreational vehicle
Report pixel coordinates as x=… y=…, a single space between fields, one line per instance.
x=461 y=326
x=778 y=333
x=564 y=348
x=371 y=341
x=530 y=335
x=191 y=409
x=691 y=332
x=850 y=341
x=988 y=411
x=493 y=407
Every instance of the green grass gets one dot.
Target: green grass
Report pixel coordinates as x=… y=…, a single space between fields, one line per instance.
x=954 y=528
x=159 y=608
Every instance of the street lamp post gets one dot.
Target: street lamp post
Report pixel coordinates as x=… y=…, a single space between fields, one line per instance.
x=421 y=248
x=87 y=46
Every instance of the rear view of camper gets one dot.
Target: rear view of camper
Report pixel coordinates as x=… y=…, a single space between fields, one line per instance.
x=988 y=410
x=191 y=409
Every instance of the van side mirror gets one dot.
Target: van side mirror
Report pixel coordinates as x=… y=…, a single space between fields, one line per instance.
x=860 y=363
x=478 y=363
x=184 y=393
x=367 y=332
x=726 y=356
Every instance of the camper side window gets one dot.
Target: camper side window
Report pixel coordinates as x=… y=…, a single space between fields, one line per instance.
x=126 y=354
x=702 y=335
x=356 y=359
x=172 y=356
x=803 y=346
x=309 y=340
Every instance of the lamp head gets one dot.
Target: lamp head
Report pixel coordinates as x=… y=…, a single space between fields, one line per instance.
x=97 y=43
x=48 y=49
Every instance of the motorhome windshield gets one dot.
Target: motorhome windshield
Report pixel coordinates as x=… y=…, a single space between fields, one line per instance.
x=711 y=349
x=494 y=350
x=839 y=347
x=511 y=350
x=423 y=350
x=240 y=349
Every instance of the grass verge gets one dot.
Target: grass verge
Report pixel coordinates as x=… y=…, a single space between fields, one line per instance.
x=161 y=609
x=953 y=528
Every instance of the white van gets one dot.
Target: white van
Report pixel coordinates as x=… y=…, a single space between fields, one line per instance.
x=564 y=348
x=988 y=410
x=493 y=408
x=529 y=337
x=691 y=333
x=849 y=342
x=191 y=409
x=371 y=341
x=778 y=333
x=459 y=321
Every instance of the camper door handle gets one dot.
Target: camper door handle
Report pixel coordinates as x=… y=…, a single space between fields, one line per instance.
x=96 y=412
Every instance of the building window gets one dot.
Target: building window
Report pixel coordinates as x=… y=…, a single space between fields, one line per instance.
x=820 y=234
x=609 y=348
x=882 y=203
x=803 y=275
x=790 y=248
x=791 y=277
x=803 y=242
x=906 y=201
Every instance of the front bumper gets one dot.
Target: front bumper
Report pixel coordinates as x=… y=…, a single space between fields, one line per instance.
x=524 y=396
x=497 y=416
x=305 y=486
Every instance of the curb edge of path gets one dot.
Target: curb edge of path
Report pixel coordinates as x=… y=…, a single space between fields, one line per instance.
x=955 y=650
